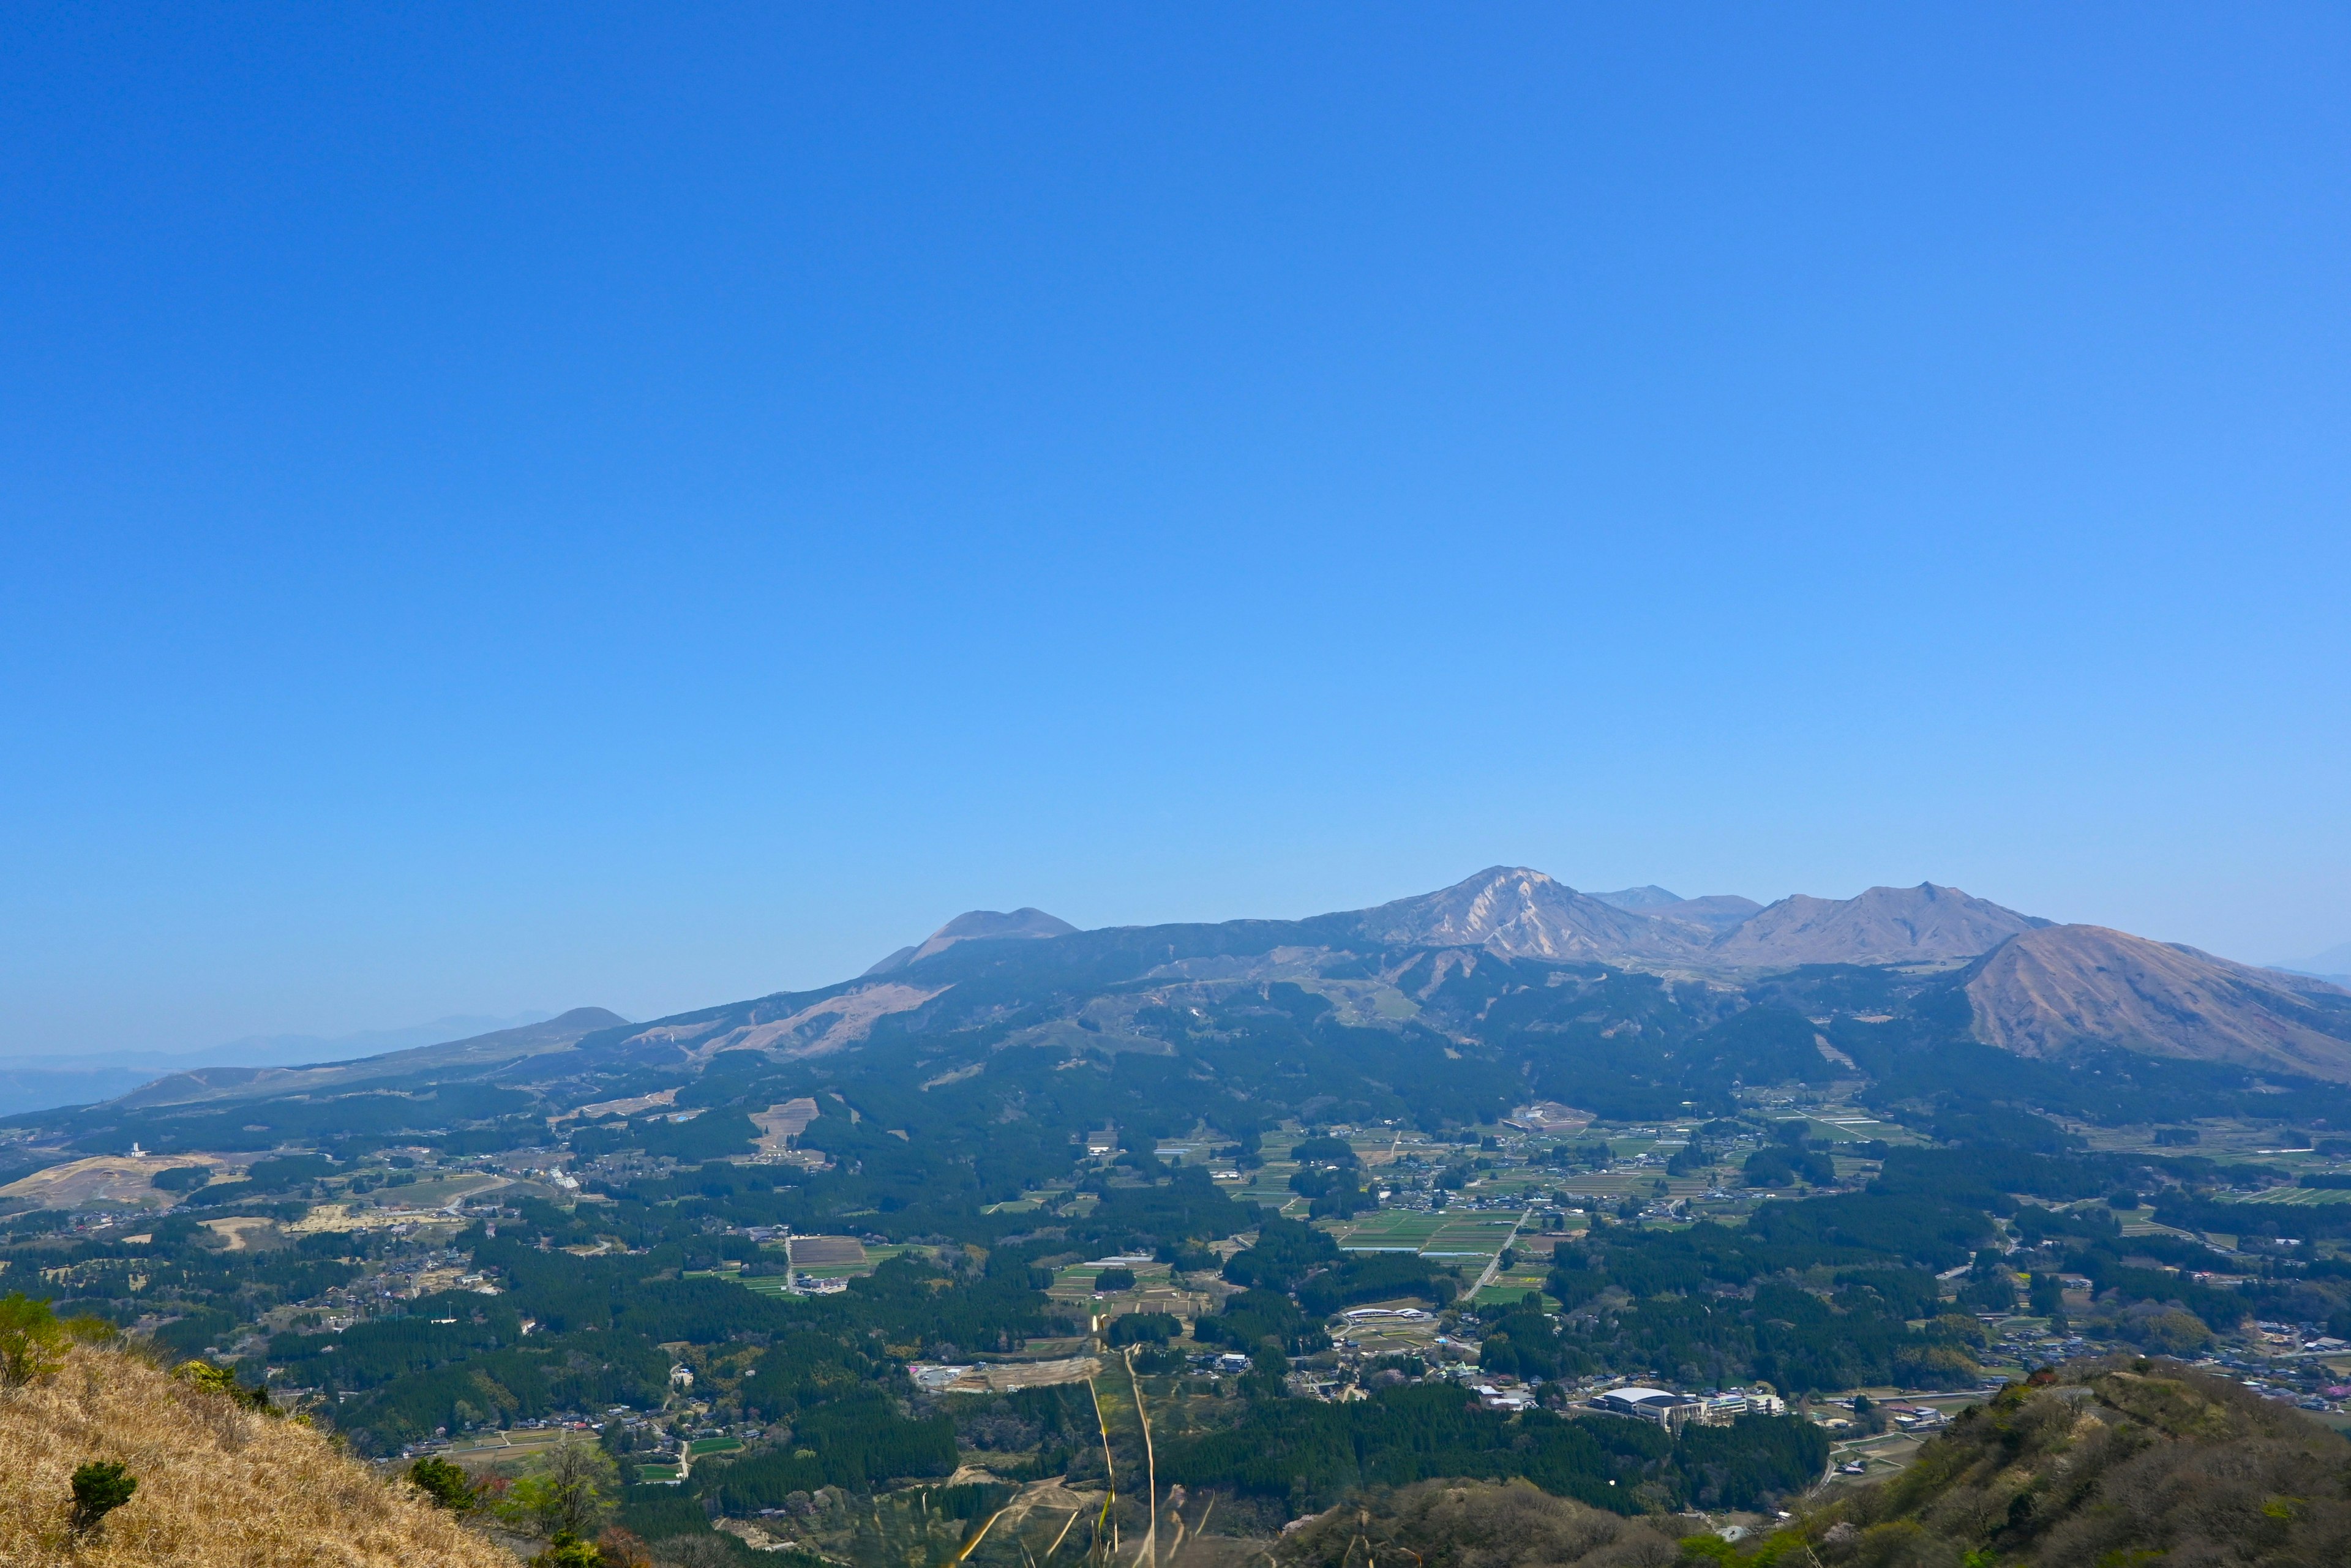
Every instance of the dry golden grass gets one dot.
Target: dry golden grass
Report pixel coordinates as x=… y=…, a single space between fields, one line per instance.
x=219 y=1487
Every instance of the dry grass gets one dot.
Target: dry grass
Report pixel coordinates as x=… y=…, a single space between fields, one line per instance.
x=218 y=1487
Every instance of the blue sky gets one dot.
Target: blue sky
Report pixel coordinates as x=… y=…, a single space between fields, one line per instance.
x=651 y=505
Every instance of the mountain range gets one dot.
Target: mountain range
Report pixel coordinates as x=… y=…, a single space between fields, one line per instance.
x=2028 y=988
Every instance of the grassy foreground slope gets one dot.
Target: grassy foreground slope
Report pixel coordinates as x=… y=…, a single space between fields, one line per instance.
x=217 y=1484
x=2112 y=1462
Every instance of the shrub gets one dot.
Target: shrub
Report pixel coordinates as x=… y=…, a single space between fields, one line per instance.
x=568 y=1551
x=32 y=1341
x=443 y=1482
x=99 y=1489
x=222 y=1381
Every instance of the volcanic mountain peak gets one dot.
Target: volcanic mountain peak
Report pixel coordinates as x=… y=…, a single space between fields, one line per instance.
x=1524 y=914
x=1883 y=926
x=2049 y=991
x=974 y=923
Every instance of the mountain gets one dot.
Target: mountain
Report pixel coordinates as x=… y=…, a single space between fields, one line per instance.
x=2335 y=963
x=1924 y=924
x=990 y=980
x=1524 y=914
x=1641 y=898
x=1717 y=912
x=2051 y=990
x=978 y=924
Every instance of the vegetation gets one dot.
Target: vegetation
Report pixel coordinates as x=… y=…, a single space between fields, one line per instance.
x=1311 y=1454
x=2114 y=1462
x=100 y=1488
x=217 y=1483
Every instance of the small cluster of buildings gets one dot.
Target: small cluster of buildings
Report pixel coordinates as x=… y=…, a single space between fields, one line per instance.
x=1669 y=1409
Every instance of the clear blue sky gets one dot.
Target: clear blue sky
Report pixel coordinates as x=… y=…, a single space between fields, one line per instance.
x=513 y=506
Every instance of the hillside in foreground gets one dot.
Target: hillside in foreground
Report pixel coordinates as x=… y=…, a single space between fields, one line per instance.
x=2113 y=1461
x=2109 y=1463
x=217 y=1484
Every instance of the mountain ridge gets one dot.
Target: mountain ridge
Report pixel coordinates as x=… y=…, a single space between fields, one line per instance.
x=2047 y=997
x=2057 y=989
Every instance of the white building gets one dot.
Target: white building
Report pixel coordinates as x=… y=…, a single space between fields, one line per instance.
x=1659 y=1405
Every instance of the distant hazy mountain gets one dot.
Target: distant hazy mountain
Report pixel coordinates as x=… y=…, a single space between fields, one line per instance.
x=1640 y=898
x=1716 y=912
x=977 y=922
x=2335 y=963
x=1884 y=925
x=2059 y=988
x=37 y=1081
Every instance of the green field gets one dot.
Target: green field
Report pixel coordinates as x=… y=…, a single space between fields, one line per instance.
x=1466 y=1239
x=2297 y=1195
x=1398 y=1228
x=1513 y=1290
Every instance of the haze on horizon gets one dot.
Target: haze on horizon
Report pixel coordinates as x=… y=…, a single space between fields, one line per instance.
x=530 y=511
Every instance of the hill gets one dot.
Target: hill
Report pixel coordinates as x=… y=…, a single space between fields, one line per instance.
x=2055 y=989
x=2117 y=1462
x=217 y=1484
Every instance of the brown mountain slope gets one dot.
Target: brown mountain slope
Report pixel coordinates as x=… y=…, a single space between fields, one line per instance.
x=1524 y=914
x=1884 y=925
x=2051 y=990
x=217 y=1485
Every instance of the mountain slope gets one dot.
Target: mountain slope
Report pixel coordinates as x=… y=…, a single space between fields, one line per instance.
x=2054 y=989
x=218 y=1485
x=1923 y=924
x=559 y=1033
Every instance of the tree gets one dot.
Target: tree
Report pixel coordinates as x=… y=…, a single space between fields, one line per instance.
x=32 y=1341
x=569 y=1492
x=620 y=1548
x=444 y=1483
x=99 y=1489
